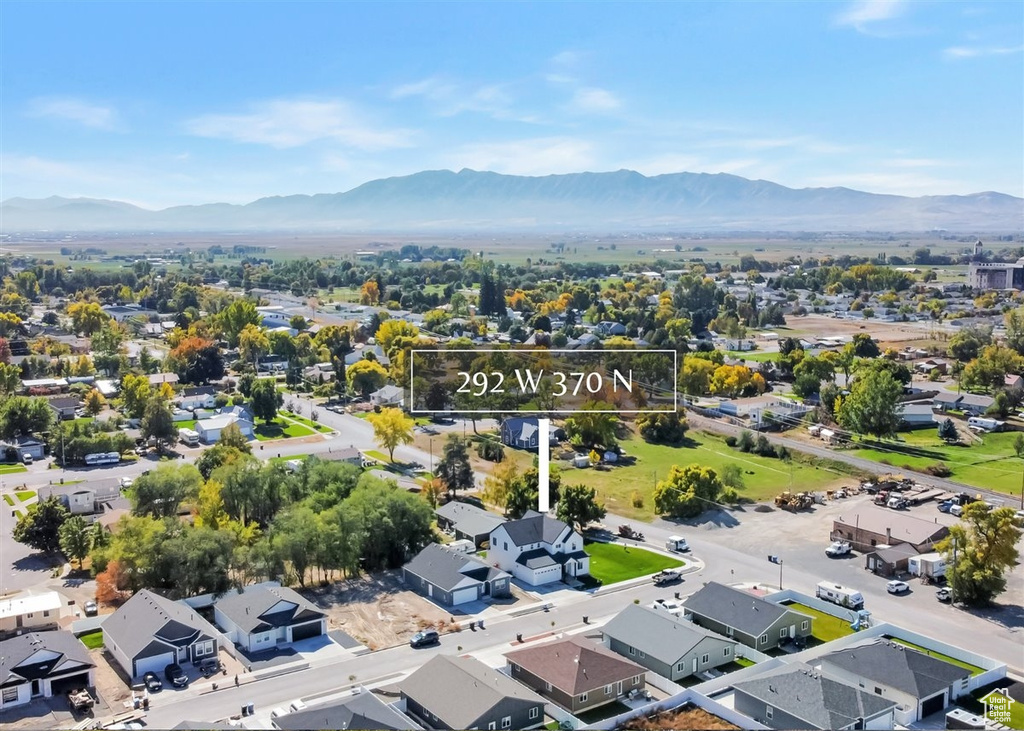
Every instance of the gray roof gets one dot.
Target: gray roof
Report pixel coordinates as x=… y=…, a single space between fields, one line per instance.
x=479 y=689
x=658 y=634
x=450 y=570
x=892 y=554
x=976 y=399
x=538 y=558
x=148 y=616
x=809 y=696
x=364 y=711
x=897 y=666
x=250 y=608
x=469 y=519
x=534 y=527
x=15 y=651
x=945 y=397
x=736 y=608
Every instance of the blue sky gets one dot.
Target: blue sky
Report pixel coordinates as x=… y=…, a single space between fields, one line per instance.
x=164 y=104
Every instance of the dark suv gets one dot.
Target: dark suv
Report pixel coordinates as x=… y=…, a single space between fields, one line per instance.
x=424 y=638
x=175 y=675
x=209 y=667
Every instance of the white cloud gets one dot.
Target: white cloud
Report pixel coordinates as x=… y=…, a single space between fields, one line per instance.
x=449 y=98
x=863 y=13
x=914 y=162
x=594 y=100
x=538 y=156
x=960 y=52
x=286 y=123
x=74 y=110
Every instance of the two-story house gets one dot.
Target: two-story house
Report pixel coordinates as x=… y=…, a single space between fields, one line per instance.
x=537 y=549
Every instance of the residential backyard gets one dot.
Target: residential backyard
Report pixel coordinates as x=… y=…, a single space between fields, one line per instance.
x=825 y=627
x=93 y=640
x=989 y=463
x=281 y=428
x=763 y=477
x=611 y=563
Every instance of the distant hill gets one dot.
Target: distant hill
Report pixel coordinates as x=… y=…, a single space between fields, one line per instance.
x=441 y=200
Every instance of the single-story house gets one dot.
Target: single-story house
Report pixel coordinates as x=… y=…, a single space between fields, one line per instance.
x=149 y=632
x=346 y=454
x=522 y=432
x=1012 y=380
x=197 y=397
x=263 y=616
x=64 y=406
x=26 y=445
x=919 y=683
x=319 y=372
x=460 y=692
x=120 y=313
x=976 y=404
x=26 y=611
x=41 y=665
x=538 y=549
x=360 y=351
x=746 y=618
x=576 y=673
x=388 y=396
x=209 y=429
x=873 y=526
x=797 y=696
x=890 y=560
x=467 y=521
x=931 y=364
x=913 y=416
x=670 y=647
x=158 y=379
x=453 y=578
x=946 y=401
x=361 y=711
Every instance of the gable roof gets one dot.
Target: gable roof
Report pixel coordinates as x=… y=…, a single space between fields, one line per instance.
x=820 y=701
x=250 y=608
x=71 y=654
x=735 y=608
x=147 y=617
x=898 y=666
x=364 y=711
x=469 y=519
x=534 y=527
x=450 y=570
x=574 y=664
x=658 y=634
x=479 y=689
x=902 y=528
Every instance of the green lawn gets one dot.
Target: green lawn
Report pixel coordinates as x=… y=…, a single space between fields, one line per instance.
x=24 y=495
x=825 y=627
x=754 y=356
x=10 y=469
x=974 y=669
x=8 y=499
x=281 y=428
x=306 y=422
x=611 y=563
x=744 y=662
x=187 y=424
x=763 y=477
x=282 y=460
x=377 y=454
x=93 y=640
x=990 y=463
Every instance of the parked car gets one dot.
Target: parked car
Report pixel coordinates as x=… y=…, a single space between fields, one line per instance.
x=425 y=638
x=90 y=608
x=175 y=675
x=152 y=682
x=897 y=587
x=126 y=482
x=945 y=594
x=26 y=458
x=209 y=666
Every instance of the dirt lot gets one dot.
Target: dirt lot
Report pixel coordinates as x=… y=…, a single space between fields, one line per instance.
x=379 y=611
x=687 y=718
x=884 y=332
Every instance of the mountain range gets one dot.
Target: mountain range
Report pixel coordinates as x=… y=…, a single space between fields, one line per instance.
x=622 y=201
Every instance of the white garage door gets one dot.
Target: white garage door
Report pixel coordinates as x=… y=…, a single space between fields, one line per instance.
x=461 y=596
x=157 y=663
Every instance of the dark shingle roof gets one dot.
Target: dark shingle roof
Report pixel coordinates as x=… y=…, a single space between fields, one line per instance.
x=820 y=701
x=735 y=608
x=575 y=664
x=897 y=666
x=146 y=616
x=448 y=569
x=469 y=519
x=363 y=712
x=538 y=558
x=658 y=634
x=250 y=608
x=534 y=527
x=13 y=652
x=462 y=690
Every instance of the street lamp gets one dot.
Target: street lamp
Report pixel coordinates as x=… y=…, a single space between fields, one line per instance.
x=778 y=560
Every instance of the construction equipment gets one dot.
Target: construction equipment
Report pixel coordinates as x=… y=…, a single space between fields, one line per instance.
x=80 y=700
x=794 y=501
x=626 y=531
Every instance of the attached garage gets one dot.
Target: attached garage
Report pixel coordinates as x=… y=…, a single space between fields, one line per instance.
x=305 y=631
x=461 y=596
x=60 y=686
x=155 y=663
x=934 y=704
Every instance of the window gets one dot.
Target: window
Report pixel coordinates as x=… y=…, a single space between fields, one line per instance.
x=46 y=612
x=878 y=691
x=30 y=615
x=727 y=651
x=763 y=640
x=642 y=654
x=534 y=712
x=547 y=685
x=636 y=680
x=583 y=698
x=515 y=668
x=632 y=650
x=10 y=695
x=679 y=667
x=505 y=544
x=784 y=632
x=768 y=712
x=803 y=625
x=492 y=725
x=506 y=722
x=728 y=631
x=608 y=690
x=705 y=659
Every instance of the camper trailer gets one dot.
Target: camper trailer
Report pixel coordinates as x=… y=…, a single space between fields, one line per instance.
x=841 y=595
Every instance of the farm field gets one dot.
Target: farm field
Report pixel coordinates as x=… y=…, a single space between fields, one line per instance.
x=991 y=463
x=763 y=477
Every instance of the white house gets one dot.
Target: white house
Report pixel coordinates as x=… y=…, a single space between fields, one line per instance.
x=26 y=611
x=388 y=396
x=209 y=429
x=200 y=397
x=41 y=665
x=264 y=616
x=538 y=550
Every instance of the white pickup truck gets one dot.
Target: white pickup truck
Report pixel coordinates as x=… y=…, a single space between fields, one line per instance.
x=838 y=548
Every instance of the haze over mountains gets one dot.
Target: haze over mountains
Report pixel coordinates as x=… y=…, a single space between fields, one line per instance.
x=607 y=202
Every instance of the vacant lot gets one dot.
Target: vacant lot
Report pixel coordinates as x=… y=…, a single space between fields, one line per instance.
x=763 y=477
x=990 y=463
x=689 y=717
x=611 y=563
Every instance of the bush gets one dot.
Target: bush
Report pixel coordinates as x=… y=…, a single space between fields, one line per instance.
x=745 y=443
x=221 y=400
x=662 y=427
x=729 y=496
x=636 y=499
x=939 y=469
x=732 y=476
x=490 y=450
x=238 y=401
x=730 y=441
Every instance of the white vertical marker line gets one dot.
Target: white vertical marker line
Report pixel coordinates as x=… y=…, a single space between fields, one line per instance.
x=543 y=465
